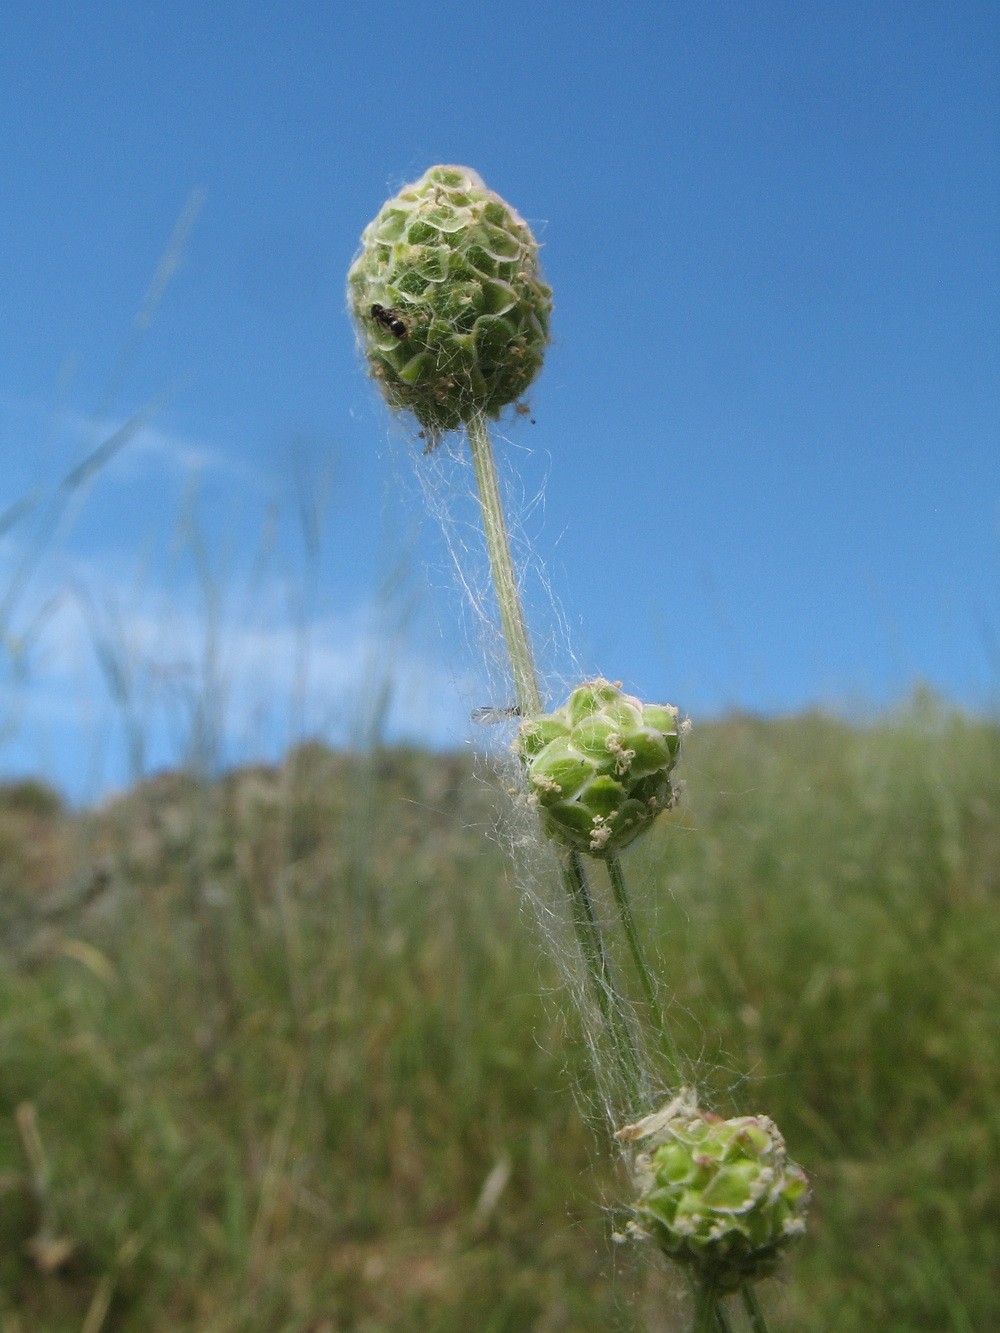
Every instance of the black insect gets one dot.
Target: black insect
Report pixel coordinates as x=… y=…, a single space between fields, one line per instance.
x=389 y=319
x=490 y=716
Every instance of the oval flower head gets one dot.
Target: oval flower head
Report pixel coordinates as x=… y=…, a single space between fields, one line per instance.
x=600 y=767
x=721 y=1197
x=449 y=302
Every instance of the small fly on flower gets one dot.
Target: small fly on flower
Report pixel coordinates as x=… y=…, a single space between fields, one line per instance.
x=389 y=319
x=489 y=717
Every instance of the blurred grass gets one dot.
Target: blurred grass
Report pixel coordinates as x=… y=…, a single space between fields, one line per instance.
x=273 y=1054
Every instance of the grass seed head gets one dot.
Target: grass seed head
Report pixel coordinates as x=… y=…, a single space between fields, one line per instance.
x=449 y=301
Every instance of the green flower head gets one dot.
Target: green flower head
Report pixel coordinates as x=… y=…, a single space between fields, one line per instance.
x=720 y=1197
x=600 y=767
x=448 y=299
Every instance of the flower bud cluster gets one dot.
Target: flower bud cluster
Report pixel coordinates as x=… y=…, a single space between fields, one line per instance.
x=720 y=1197
x=600 y=767
x=448 y=298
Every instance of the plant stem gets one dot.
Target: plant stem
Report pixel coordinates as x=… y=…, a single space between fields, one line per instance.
x=722 y=1323
x=529 y=699
x=758 y=1323
x=608 y=997
x=617 y=877
x=706 y=1308
x=515 y=630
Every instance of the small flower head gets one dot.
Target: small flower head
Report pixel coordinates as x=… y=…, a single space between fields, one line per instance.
x=720 y=1197
x=449 y=301
x=600 y=767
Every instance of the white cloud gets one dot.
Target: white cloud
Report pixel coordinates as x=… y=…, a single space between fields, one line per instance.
x=150 y=676
x=138 y=656
x=47 y=444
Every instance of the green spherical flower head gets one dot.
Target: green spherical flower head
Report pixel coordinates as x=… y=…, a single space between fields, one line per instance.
x=449 y=301
x=599 y=767
x=719 y=1196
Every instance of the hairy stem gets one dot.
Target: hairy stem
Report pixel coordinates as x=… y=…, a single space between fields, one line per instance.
x=617 y=877
x=755 y=1314
x=529 y=699
x=722 y=1323
x=706 y=1308
x=608 y=997
x=515 y=630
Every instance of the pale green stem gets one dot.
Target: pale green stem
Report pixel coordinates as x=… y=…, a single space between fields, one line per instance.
x=710 y=1314
x=617 y=877
x=722 y=1323
x=608 y=997
x=529 y=700
x=755 y=1314
x=515 y=630
x=706 y=1308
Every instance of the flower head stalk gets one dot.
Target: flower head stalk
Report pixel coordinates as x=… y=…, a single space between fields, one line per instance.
x=600 y=769
x=452 y=315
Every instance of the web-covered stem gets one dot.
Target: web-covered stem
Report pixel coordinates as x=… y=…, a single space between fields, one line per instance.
x=620 y=889
x=610 y=1002
x=609 y=999
x=755 y=1314
x=515 y=629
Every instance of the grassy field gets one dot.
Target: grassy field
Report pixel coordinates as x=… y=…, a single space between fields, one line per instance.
x=282 y=1053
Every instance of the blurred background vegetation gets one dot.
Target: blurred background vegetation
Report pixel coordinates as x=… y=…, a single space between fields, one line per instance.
x=280 y=1050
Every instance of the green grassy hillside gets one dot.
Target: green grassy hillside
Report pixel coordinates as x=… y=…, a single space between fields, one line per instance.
x=275 y=1053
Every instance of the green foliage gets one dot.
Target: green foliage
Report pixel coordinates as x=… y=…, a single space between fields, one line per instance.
x=29 y=797
x=289 y=1069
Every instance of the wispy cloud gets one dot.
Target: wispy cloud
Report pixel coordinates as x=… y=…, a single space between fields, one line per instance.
x=149 y=627
x=157 y=677
x=46 y=443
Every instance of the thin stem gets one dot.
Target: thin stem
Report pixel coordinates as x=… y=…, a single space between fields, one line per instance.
x=617 y=877
x=755 y=1314
x=722 y=1323
x=529 y=699
x=515 y=630
x=705 y=1308
x=608 y=998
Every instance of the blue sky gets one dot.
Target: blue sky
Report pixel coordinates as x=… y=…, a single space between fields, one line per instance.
x=763 y=470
